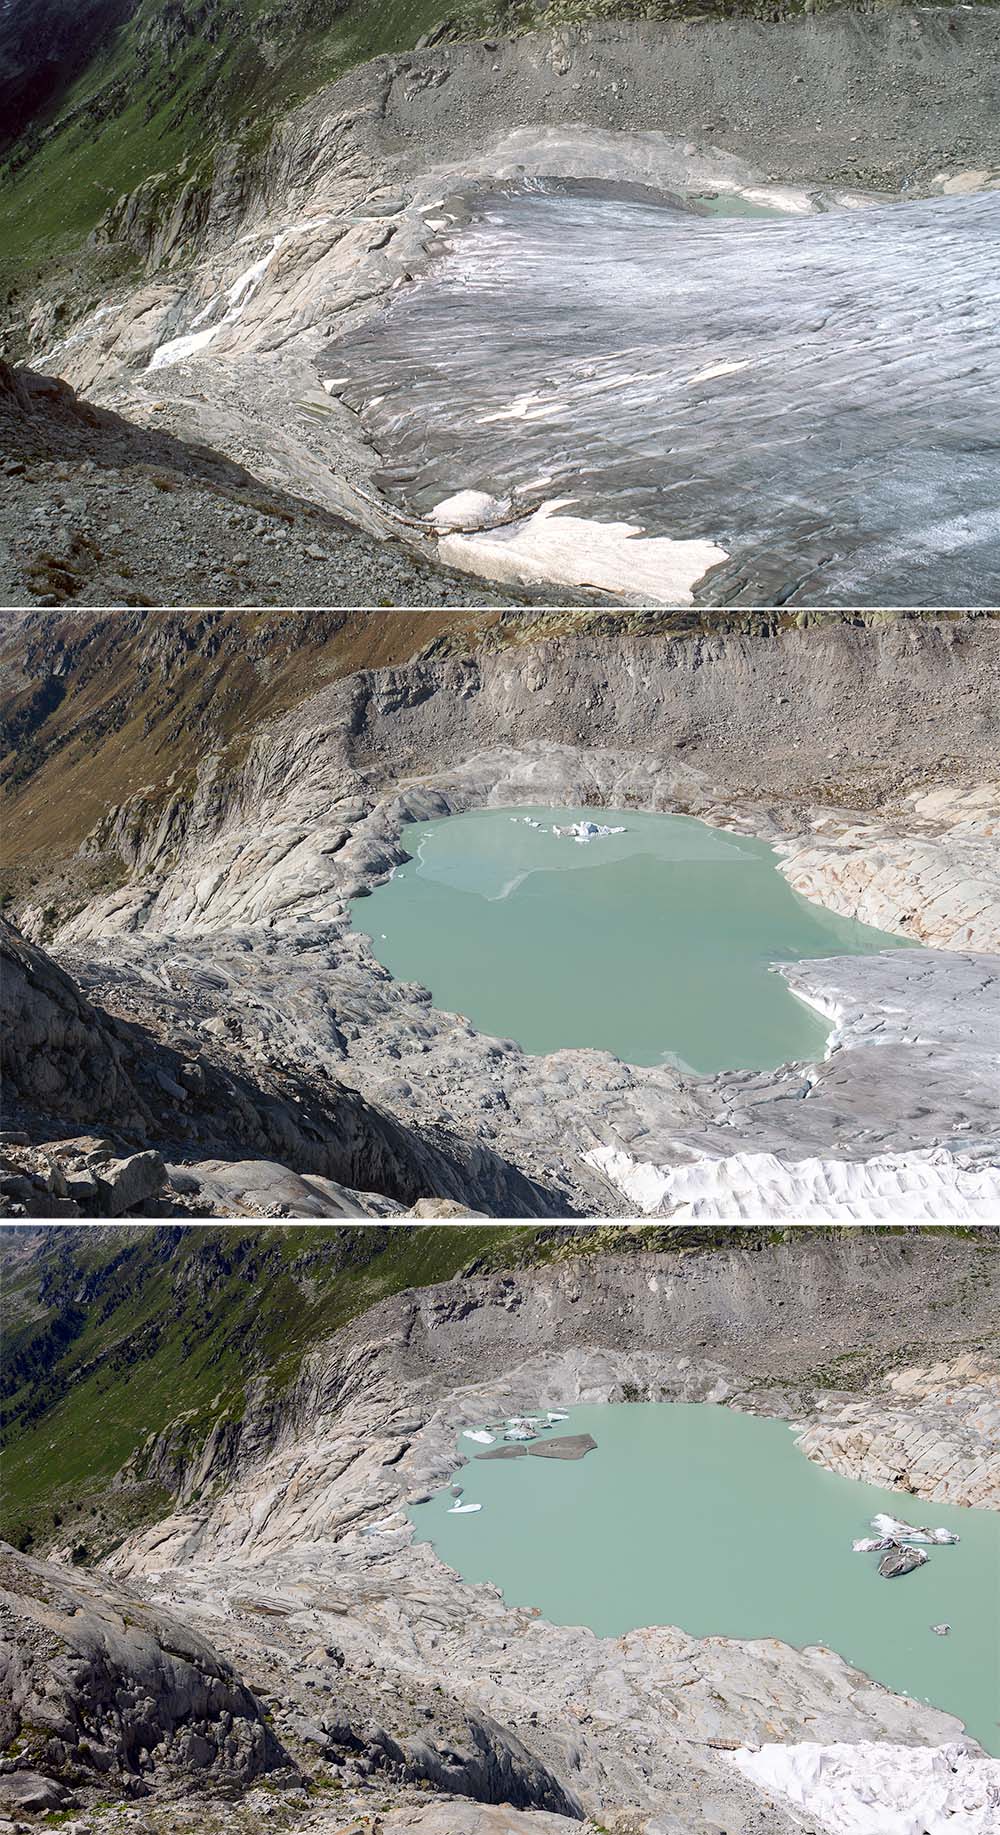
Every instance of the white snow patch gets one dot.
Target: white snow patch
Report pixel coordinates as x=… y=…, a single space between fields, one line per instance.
x=534 y=407
x=469 y=510
x=929 y=1186
x=577 y=551
x=238 y=295
x=719 y=369
x=875 y=1789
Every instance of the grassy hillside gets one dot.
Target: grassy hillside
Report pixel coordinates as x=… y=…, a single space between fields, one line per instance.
x=100 y=96
x=112 y=1333
x=95 y=707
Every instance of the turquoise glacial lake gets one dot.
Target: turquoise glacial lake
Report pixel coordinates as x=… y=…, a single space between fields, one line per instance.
x=657 y=944
x=713 y=1521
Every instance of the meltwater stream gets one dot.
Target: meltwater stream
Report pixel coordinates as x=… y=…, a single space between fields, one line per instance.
x=656 y=943
x=713 y=1521
x=812 y=399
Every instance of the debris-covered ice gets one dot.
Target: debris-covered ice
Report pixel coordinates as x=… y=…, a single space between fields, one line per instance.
x=901 y=1559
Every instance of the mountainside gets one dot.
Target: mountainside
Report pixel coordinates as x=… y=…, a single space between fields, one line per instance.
x=97 y=96
x=211 y=238
x=94 y=99
x=116 y=1336
x=217 y=1436
x=196 y=801
x=99 y=708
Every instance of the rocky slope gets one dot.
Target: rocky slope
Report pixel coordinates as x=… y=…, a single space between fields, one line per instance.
x=96 y=510
x=384 y=1675
x=101 y=1690
x=65 y=1062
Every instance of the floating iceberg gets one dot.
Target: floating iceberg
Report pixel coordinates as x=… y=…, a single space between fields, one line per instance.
x=466 y=1509
x=896 y=1531
x=873 y=1545
x=478 y=1434
x=583 y=832
x=901 y=1559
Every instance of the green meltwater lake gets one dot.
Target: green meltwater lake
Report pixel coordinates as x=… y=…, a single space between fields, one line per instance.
x=656 y=943
x=713 y=1521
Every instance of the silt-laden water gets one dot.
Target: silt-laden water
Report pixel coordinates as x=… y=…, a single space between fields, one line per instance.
x=657 y=944
x=713 y=1521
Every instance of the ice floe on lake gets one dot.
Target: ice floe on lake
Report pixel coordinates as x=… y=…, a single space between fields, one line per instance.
x=891 y=1526
x=581 y=832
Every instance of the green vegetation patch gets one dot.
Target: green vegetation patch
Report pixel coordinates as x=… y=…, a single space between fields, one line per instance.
x=160 y=93
x=113 y=1334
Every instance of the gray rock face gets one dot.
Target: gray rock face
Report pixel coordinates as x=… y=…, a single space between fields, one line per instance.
x=95 y=1685
x=122 y=1185
x=493 y=1766
x=64 y=1059
x=56 y=1049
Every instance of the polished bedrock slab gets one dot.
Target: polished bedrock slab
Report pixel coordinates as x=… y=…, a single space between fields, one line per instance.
x=812 y=399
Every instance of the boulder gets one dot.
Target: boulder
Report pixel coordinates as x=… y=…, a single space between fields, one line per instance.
x=123 y=1185
x=490 y=1765
x=32 y=1792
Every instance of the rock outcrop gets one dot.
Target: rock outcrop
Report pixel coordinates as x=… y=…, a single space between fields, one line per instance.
x=64 y=1061
x=935 y=1431
x=97 y=1687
